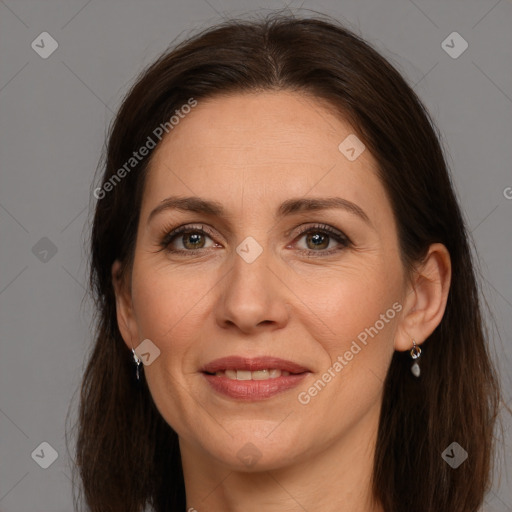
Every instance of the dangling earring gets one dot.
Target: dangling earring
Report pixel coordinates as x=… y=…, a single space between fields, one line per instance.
x=415 y=354
x=138 y=362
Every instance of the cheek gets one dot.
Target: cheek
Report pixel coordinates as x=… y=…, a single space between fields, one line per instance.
x=343 y=303
x=359 y=314
x=167 y=305
x=355 y=316
x=167 y=300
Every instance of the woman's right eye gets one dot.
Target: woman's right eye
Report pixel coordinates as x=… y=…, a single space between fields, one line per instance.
x=186 y=239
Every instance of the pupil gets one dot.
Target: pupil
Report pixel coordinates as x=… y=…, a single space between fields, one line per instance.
x=318 y=239
x=195 y=239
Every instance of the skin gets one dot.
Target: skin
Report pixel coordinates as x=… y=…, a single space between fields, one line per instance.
x=250 y=152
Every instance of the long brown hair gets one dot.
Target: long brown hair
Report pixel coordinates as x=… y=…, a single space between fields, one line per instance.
x=127 y=456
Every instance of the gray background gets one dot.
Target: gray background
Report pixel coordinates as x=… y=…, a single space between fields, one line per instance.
x=54 y=114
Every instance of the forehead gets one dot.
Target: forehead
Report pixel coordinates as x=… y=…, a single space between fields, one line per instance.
x=262 y=146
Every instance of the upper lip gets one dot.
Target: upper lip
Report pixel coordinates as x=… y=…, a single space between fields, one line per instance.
x=252 y=364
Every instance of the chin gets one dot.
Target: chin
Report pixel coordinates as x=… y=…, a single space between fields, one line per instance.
x=252 y=453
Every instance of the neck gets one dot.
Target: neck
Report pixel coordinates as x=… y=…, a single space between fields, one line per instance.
x=338 y=478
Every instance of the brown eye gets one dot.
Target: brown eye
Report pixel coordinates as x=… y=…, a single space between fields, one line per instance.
x=187 y=239
x=193 y=240
x=316 y=240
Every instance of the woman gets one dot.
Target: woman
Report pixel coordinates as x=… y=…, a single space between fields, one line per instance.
x=288 y=317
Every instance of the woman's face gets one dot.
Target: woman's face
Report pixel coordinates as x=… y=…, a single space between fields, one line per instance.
x=261 y=275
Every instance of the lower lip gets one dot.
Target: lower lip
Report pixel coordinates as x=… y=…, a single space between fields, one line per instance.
x=252 y=390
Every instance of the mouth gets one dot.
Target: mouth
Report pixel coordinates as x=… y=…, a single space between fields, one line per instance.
x=265 y=374
x=253 y=379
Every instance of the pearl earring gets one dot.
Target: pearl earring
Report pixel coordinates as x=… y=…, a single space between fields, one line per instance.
x=415 y=354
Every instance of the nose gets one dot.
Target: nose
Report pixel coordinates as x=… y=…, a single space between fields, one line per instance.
x=252 y=296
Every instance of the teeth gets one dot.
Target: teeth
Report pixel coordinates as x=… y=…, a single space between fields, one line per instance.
x=243 y=375
x=273 y=373
x=260 y=375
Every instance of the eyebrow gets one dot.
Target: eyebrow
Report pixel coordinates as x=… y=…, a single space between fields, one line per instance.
x=288 y=207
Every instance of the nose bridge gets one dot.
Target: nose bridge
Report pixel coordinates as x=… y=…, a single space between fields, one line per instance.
x=249 y=279
x=251 y=261
x=250 y=295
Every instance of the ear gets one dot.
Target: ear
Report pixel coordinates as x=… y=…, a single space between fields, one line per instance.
x=426 y=298
x=124 y=307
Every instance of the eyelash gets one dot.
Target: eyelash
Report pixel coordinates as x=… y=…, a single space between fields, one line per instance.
x=339 y=237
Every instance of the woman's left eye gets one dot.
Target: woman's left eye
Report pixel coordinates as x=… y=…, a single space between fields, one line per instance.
x=193 y=240
x=319 y=238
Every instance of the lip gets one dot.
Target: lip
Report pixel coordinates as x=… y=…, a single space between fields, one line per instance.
x=253 y=390
x=252 y=364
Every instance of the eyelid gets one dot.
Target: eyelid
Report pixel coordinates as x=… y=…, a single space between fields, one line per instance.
x=323 y=227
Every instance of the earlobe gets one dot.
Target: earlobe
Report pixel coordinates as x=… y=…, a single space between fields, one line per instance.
x=426 y=299
x=124 y=308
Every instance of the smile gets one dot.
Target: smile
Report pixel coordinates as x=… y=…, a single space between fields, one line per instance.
x=252 y=379
x=274 y=373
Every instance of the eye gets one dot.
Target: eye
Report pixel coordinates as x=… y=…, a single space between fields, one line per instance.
x=193 y=240
x=318 y=240
x=187 y=239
